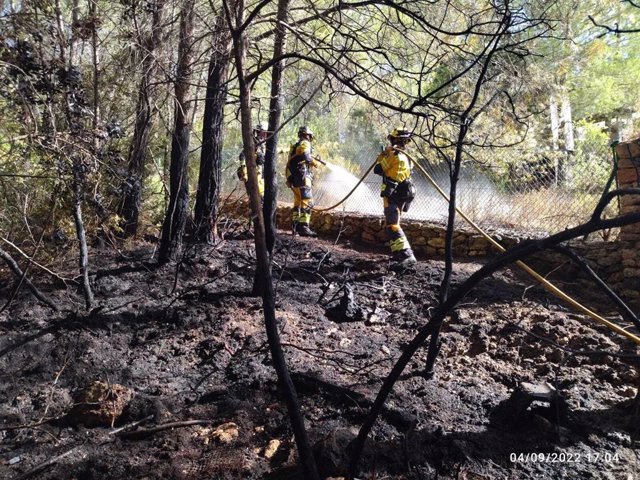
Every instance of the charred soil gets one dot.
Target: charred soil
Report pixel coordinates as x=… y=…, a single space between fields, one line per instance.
x=170 y=375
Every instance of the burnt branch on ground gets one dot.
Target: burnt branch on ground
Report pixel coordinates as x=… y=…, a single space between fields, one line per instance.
x=22 y=278
x=624 y=309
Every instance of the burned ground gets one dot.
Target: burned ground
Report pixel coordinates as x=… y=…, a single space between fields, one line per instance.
x=189 y=344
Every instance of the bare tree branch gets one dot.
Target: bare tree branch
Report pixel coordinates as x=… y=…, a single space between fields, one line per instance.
x=615 y=29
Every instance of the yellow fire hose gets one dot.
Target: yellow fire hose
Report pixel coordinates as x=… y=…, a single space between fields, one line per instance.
x=550 y=287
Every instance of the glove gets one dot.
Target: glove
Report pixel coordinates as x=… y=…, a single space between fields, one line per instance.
x=316 y=162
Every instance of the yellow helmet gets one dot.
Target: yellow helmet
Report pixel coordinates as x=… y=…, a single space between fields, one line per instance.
x=400 y=133
x=261 y=127
x=306 y=131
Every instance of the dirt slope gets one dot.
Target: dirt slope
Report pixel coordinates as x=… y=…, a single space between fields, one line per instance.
x=189 y=345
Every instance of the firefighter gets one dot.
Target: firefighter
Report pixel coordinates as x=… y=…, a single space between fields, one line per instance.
x=299 y=177
x=398 y=191
x=260 y=134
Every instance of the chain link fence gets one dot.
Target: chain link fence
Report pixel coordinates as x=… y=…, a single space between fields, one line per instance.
x=531 y=198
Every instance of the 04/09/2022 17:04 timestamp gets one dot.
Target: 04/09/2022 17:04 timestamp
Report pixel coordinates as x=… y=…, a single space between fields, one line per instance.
x=564 y=457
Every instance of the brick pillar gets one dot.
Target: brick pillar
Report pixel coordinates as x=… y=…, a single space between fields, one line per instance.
x=628 y=177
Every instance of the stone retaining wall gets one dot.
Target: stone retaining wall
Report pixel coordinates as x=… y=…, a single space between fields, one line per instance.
x=427 y=239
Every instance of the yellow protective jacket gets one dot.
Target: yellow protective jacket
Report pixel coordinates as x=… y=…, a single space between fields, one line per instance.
x=395 y=165
x=300 y=162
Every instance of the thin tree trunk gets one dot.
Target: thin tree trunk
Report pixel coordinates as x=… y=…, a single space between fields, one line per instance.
x=465 y=122
x=130 y=206
x=555 y=136
x=275 y=113
x=445 y=286
x=453 y=189
x=270 y=204
x=178 y=209
x=262 y=256
x=554 y=123
x=75 y=16
x=209 y=180
x=567 y=122
x=93 y=11
x=83 y=258
x=60 y=34
x=79 y=176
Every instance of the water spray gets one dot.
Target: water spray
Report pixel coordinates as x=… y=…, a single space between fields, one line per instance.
x=350 y=193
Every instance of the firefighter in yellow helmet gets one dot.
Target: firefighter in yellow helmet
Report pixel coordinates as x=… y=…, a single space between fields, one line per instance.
x=299 y=178
x=398 y=192
x=260 y=134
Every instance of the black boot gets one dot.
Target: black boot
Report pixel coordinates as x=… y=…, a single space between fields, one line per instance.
x=403 y=260
x=303 y=230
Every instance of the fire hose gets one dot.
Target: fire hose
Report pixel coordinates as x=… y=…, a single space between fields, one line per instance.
x=550 y=287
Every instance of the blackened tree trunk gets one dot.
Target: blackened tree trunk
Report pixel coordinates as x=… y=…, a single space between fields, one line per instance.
x=445 y=286
x=275 y=113
x=178 y=209
x=130 y=206
x=79 y=166
x=465 y=121
x=93 y=11
x=454 y=176
x=83 y=257
x=206 y=208
x=307 y=460
x=270 y=204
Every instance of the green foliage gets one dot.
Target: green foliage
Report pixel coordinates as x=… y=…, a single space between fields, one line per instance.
x=593 y=160
x=393 y=59
x=608 y=73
